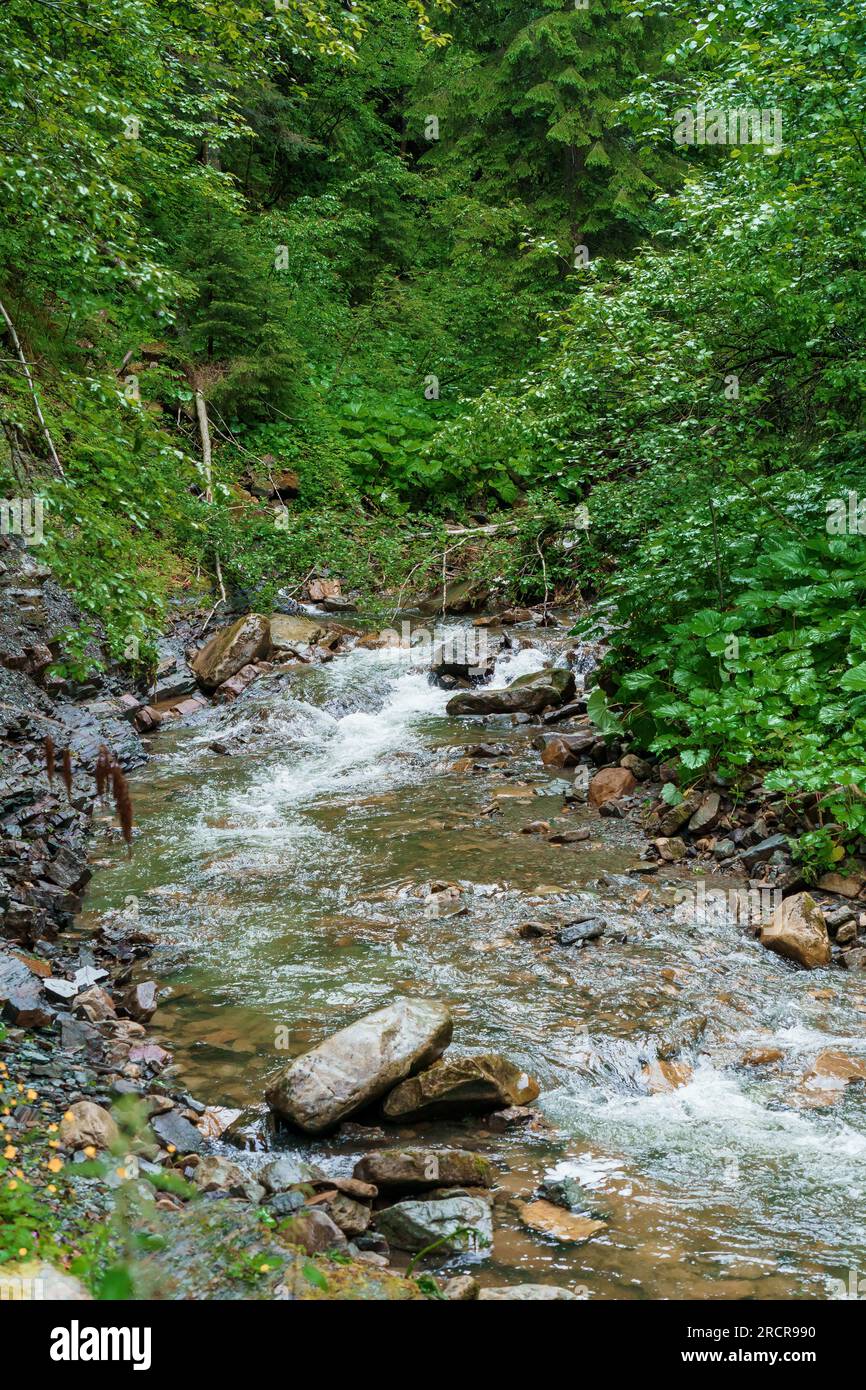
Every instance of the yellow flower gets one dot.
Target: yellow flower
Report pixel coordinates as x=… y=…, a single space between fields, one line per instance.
x=54 y=1143
x=263 y=1269
x=12 y=1185
x=10 y=1151
x=90 y=1151
x=51 y=1187
x=22 y=1251
x=52 y=1129
x=21 y=1085
x=54 y=1165
x=121 y=1172
x=32 y=1095
x=170 y=1148
x=69 y=1116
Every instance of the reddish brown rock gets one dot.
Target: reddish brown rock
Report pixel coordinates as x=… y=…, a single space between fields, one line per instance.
x=610 y=784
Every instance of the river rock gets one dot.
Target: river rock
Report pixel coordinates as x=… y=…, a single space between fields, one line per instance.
x=173 y=1129
x=461 y=1288
x=460 y=1084
x=526 y=695
x=846 y=887
x=610 y=784
x=216 y=1174
x=414 y=1169
x=287 y=1172
x=86 y=1123
x=578 y=933
x=459 y=659
x=21 y=998
x=139 y=1001
x=313 y=1229
x=556 y=1221
x=415 y=1225
x=245 y=641
x=526 y=1293
x=639 y=767
x=289 y=631
x=360 y=1063
x=707 y=813
x=798 y=932
x=351 y=1216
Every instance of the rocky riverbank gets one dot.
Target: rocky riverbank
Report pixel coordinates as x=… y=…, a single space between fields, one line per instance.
x=77 y=1005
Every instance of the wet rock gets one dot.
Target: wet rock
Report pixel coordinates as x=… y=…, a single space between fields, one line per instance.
x=139 y=1001
x=846 y=887
x=526 y=1293
x=854 y=959
x=224 y=655
x=833 y=1071
x=460 y=1223
x=460 y=660
x=756 y=854
x=237 y=684
x=675 y=817
x=253 y=1130
x=95 y=1005
x=216 y=1174
x=286 y=1203
x=610 y=784
x=534 y=931
x=638 y=767
x=570 y=837
x=578 y=933
x=86 y=1124
x=173 y=1130
x=461 y=1288
x=513 y=1117
x=706 y=815
x=288 y=1172
x=456 y=1085
x=351 y=1216
x=670 y=848
x=565 y=750
x=554 y=1221
x=360 y=1063
x=761 y=1056
x=414 y=1169
x=528 y=695
x=663 y=1076
x=22 y=1000
x=313 y=1229
x=798 y=932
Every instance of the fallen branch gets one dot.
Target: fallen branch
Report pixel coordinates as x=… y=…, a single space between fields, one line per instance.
x=58 y=466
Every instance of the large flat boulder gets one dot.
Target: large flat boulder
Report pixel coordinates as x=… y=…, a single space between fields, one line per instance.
x=798 y=932
x=414 y=1169
x=289 y=631
x=360 y=1063
x=222 y=657
x=526 y=695
x=460 y=1084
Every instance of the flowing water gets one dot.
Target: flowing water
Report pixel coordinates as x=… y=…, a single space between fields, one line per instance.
x=287 y=887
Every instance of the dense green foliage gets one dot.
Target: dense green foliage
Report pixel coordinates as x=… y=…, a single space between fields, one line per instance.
x=449 y=261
